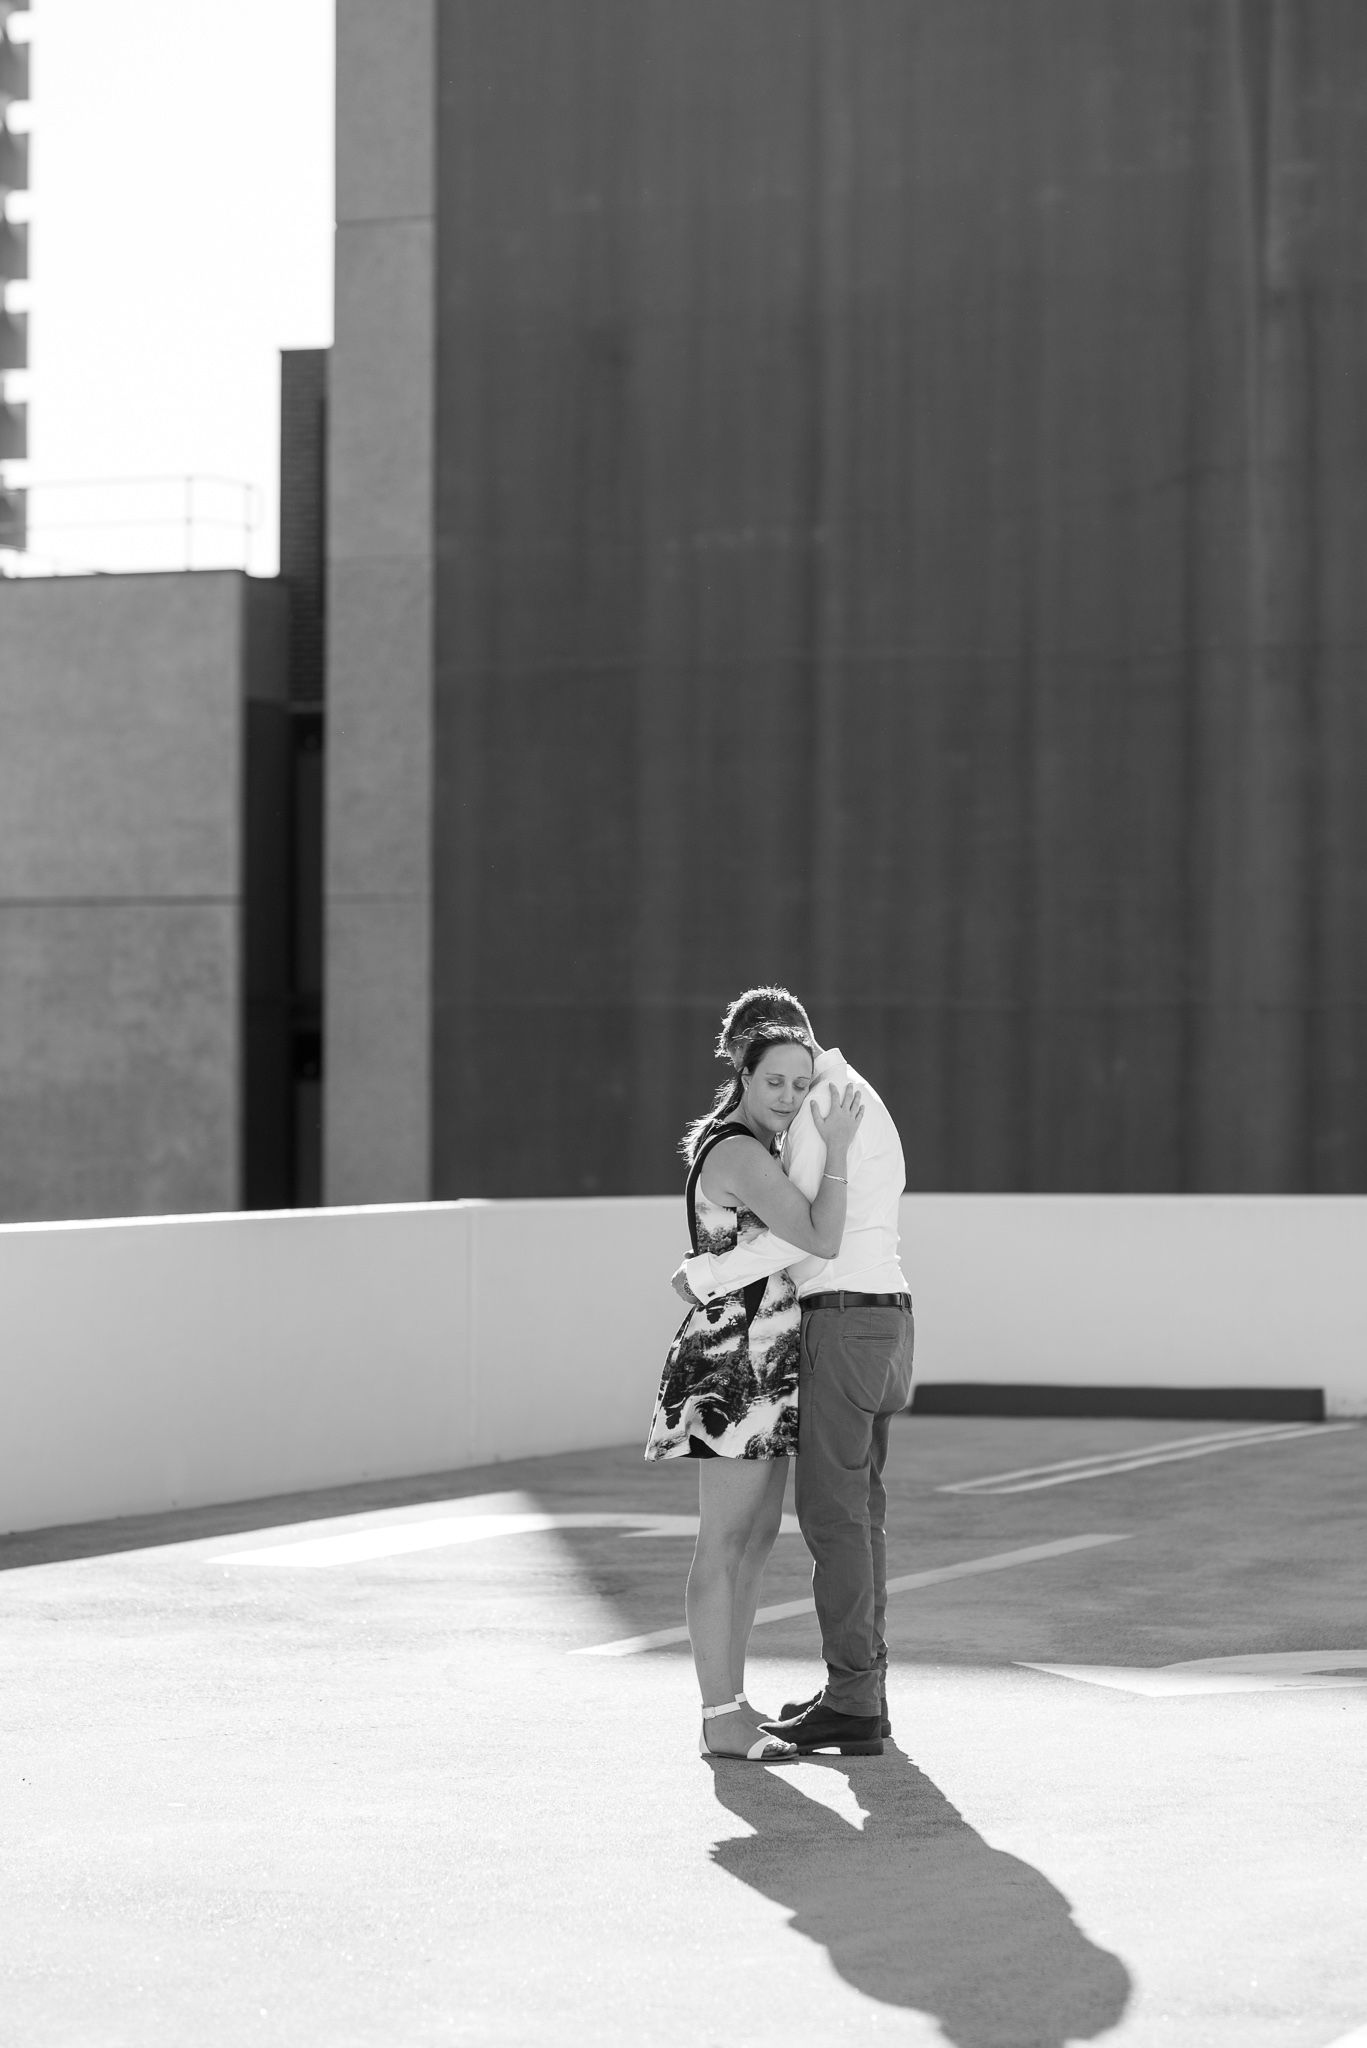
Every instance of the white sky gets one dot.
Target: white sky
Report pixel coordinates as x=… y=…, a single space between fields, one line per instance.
x=181 y=207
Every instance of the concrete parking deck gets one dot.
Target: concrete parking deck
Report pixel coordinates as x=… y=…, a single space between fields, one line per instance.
x=333 y=1770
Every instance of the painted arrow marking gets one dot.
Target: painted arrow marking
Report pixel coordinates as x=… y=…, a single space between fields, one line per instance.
x=1263 y=1671
x=441 y=1532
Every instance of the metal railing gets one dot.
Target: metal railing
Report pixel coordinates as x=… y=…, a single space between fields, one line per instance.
x=182 y=508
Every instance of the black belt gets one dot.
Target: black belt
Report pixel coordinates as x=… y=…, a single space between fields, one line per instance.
x=844 y=1300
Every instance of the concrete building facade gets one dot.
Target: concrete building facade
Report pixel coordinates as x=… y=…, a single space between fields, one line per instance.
x=378 y=839
x=143 y=948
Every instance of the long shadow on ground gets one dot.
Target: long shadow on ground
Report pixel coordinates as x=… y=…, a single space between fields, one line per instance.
x=917 y=1910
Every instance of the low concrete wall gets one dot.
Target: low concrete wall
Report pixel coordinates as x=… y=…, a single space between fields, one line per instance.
x=195 y=1359
x=151 y=1364
x=1142 y=1290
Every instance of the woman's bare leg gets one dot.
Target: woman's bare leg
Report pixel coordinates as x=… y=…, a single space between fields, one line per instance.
x=763 y=1530
x=730 y=1495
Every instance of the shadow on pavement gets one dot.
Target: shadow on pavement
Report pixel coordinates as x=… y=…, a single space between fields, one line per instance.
x=917 y=1910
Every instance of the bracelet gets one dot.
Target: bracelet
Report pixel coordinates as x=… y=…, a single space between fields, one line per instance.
x=843 y=1178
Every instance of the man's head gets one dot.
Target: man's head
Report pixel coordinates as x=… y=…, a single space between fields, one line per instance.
x=749 y=1011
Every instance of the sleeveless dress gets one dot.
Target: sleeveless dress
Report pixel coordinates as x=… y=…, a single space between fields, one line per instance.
x=729 y=1388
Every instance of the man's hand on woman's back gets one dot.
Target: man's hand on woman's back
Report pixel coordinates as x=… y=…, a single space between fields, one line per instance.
x=678 y=1280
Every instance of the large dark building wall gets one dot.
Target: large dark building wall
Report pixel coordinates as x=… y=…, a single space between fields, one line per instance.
x=900 y=531
x=303 y=513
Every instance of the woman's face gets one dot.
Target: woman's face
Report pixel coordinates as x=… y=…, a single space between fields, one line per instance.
x=775 y=1091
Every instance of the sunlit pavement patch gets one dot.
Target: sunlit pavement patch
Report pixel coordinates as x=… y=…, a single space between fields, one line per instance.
x=1274 y=1671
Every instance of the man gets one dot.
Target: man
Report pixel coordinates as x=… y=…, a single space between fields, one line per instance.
x=854 y=1376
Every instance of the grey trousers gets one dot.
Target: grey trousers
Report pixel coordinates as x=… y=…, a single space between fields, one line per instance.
x=855 y=1375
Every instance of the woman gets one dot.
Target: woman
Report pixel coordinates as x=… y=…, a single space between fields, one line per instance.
x=729 y=1392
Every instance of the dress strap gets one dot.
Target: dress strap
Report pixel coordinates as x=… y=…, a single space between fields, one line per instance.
x=714 y=1137
x=754 y=1293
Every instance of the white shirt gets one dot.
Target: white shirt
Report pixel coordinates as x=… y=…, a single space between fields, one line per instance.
x=867 y=1262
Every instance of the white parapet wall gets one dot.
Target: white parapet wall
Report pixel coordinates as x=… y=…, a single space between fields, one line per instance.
x=160 y=1363
x=1254 y=1291
x=152 y=1364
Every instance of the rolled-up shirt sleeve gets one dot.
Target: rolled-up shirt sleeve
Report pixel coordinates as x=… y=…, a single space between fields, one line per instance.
x=714 y=1273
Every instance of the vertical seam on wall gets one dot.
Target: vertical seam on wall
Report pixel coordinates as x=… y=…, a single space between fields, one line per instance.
x=238 y=998
x=433 y=397
x=471 y=1339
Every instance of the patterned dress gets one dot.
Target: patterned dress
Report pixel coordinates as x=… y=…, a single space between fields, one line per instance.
x=730 y=1380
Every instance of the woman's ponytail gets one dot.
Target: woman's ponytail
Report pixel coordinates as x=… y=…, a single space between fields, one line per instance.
x=725 y=1100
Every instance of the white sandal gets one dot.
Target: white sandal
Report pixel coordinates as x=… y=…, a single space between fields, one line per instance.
x=768 y=1750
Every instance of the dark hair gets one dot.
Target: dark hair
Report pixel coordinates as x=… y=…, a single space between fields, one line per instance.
x=758 y=1042
x=759 y=1006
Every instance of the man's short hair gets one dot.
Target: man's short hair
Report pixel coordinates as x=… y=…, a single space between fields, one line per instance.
x=769 y=1005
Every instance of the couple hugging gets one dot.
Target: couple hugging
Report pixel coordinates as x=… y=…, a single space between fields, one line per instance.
x=798 y=1345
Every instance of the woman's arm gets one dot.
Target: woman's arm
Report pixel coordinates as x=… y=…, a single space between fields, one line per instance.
x=741 y=1174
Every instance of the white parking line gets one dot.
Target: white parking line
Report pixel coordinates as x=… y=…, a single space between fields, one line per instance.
x=1255 y=1671
x=1357 y=2039
x=1030 y=1478
x=1000 y=1561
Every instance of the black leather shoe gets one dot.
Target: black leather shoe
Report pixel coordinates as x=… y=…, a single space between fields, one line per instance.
x=792 y=1708
x=820 y=1727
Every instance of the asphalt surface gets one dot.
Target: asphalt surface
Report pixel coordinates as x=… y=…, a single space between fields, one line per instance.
x=376 y=1793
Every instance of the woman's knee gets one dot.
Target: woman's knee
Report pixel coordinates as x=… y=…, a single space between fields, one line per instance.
x=720 y=1549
